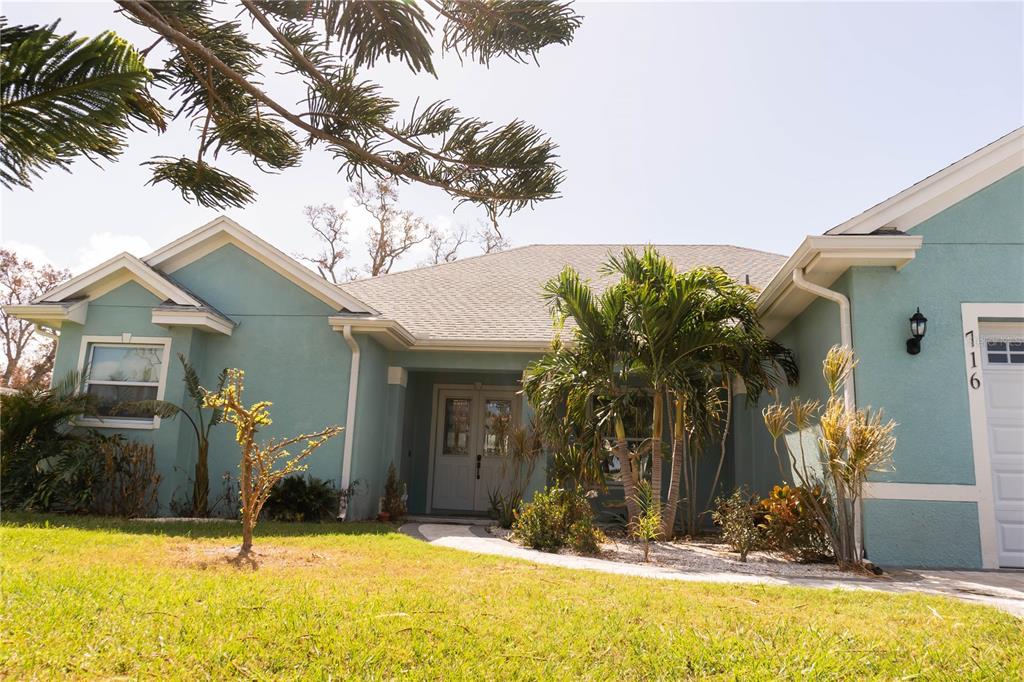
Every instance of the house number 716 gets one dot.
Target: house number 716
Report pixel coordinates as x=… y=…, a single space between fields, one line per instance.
x=974 y=380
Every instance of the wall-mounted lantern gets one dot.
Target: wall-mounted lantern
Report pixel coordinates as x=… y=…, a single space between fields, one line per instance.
x=918 y=326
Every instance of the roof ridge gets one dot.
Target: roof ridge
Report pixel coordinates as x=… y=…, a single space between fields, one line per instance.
x=540 y=244
x=435 y=265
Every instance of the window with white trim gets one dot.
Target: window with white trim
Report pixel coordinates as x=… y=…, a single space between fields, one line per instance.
x=123 y=373
x=1001 y=351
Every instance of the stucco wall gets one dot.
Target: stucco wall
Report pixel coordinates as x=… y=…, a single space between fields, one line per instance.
x=127 y=309
x=972 y=252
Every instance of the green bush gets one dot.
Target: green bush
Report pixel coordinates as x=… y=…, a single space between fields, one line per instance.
x=36 y=439
x=738 y=516
x=557 y=518
x=505 y=506
x=298 y=498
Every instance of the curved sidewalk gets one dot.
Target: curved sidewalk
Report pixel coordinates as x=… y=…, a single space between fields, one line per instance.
x=1002 y=589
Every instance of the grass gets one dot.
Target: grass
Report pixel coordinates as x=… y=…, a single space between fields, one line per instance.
x=86 y=597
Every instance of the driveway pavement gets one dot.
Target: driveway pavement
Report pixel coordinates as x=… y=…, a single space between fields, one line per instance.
x=1002 y=589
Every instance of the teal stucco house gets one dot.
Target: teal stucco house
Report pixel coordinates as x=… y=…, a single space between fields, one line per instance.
x=418 y=365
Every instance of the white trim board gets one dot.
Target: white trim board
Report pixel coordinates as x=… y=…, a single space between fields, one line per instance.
x=115 y=272
x=972 y=314
x=939 y=191
x=221 y=231
x=122 y=340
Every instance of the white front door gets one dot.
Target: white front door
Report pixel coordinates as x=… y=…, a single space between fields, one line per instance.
x=1003 y=349
x=471 y=427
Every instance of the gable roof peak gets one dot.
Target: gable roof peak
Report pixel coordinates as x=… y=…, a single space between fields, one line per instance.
x=221 y=231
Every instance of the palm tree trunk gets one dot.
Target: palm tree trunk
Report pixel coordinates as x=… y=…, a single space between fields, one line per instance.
x=201 y=484
x=627 y=473
x=725 y=436
x=668 y=520
x=656 y=451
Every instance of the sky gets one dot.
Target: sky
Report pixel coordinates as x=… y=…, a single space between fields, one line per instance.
x=752 y=124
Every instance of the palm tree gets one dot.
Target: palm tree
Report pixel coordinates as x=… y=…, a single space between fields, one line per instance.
x=200 y=427
x=692 y=332
x=582 y=392
x=62 y=97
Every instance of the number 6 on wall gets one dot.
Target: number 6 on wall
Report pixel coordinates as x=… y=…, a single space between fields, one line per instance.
x=975 y=381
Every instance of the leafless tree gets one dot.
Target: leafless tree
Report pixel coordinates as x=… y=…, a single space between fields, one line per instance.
x=331 y=228
x=27 y=359
x=490 y=238
x=395 y=230
x=445 y=244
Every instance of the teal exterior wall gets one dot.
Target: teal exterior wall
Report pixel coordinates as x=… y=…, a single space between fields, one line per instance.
x=810 y=335
x=973 y=252
x=922 y=533
x=127 y=309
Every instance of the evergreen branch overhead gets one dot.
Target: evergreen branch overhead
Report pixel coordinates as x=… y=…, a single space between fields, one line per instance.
x=212 y=75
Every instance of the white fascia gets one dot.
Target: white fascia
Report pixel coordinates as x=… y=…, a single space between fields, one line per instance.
x=199 y=319
x=822 y=260
x=50 y=314
x=112 y=273
x=941 y=190
x=222 y=231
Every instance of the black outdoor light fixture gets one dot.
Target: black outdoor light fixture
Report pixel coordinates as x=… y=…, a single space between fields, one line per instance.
x=918 y=326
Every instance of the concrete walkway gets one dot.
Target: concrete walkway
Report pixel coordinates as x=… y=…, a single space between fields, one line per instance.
x=1002 y=589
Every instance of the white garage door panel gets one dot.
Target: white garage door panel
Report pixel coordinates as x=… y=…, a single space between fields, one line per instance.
x=1003 y=363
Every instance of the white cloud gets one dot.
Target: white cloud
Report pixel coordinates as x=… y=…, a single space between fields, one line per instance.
x=29 y=251
x=105 y=245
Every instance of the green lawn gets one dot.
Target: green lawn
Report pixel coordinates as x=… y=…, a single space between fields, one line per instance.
x=96 y=598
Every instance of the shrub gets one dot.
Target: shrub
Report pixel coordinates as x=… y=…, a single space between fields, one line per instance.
x=299 y=498
x=790 y=525
x=646 y=525
x=557 y=518
x=505 y=506
x=394 y=494
x=738 y=517
x=36 y=435
x=127 y=481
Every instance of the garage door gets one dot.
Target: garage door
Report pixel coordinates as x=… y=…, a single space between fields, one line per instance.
x=1003 y=360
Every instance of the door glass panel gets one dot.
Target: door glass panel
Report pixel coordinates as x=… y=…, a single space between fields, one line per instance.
x=456 y=426
x=497 y=426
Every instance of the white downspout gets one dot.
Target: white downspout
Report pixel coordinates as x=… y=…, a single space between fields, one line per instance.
x=849 y=398
x=350 y=419
x=845 y=326
x=48 y=333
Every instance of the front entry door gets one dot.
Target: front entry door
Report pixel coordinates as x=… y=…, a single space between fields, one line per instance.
x=471 y=430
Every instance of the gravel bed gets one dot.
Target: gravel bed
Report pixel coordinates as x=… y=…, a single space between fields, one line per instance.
x=705 y=555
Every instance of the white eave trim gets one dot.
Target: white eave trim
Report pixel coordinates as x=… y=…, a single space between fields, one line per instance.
x=480 y=345
x=222 y=231
x=823 y=259
x=199 y=319
x=50 y=314
x=394 y=336
x=103 y=278
x=941 y=190
x=390 y=333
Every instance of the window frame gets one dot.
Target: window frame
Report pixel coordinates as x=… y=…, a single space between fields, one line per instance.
x=1009 y=353
x=85 y=360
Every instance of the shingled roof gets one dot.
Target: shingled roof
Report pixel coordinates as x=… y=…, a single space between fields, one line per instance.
x=497 y=297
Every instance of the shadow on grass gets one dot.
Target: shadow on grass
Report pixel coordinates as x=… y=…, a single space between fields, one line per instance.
x=194 y=529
